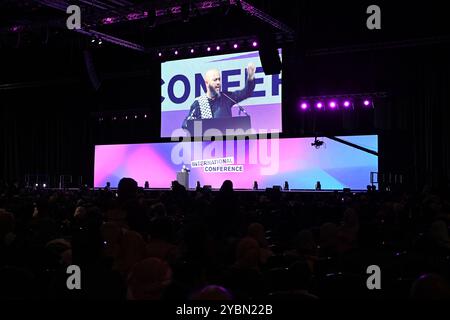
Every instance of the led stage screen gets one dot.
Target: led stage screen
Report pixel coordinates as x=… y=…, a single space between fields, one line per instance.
x=269 y=162
x=233 y=95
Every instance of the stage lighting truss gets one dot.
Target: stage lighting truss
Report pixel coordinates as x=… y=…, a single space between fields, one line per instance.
x=94 y=13
x=121 y=116
x=203 y=48
x=331 y=103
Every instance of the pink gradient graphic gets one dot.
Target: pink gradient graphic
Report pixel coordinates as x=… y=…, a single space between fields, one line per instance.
x=103 y=165
x=146 y=163
x=335 y=164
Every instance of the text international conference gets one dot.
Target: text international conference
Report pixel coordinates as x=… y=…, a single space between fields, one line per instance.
x=224 y=169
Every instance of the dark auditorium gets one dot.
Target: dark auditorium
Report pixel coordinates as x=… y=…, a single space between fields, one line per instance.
x=224 y=158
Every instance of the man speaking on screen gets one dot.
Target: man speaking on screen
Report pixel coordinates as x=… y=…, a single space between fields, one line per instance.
x=216 y=103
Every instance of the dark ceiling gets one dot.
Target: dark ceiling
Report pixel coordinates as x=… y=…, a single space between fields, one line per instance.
x=317 y=24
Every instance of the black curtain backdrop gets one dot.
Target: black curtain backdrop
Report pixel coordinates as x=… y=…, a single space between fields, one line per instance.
x=421 y=114
x=44 y=131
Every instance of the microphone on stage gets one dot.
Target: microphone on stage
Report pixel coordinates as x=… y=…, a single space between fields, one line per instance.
x=191 y=114
x=189 y=117
x=241 y=108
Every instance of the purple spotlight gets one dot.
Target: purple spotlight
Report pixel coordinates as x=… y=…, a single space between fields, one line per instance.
x=303 y=106
x=208 y=49
x=319 y=105
x=366 y=103
x=159 y=54
x=176 y=52
x=255 y=44
x=346 y=103
x=332 y=104
x=133 y=16
x=108 y=20
x=218 y=48
x=192 y=50
x=235 y=45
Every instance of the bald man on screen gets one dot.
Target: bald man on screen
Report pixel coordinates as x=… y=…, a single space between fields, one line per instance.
x=215 y=103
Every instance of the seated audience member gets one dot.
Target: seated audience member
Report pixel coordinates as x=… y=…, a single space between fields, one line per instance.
x=430 y=286
x=300 y=276
x=212 y=293
x=348 y=231
x=148 y=279
x=256 y=231
x=159 y=244
x=125 y=247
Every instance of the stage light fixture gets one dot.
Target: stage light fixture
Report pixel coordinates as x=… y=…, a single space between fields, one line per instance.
x=235 y=46
x=151 y=17
x=346 y=104
x=367 y=103
x=185 y=9
x=332 y=105
x=218 y=48
x=192 y=50
x=304 y=106
x=319 y=105
x=254 y=44
x=317 y=143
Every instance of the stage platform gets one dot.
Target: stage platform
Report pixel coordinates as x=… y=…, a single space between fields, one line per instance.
x=217 y=190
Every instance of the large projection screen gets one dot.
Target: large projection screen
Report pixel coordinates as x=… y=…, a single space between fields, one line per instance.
x=183 y=83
